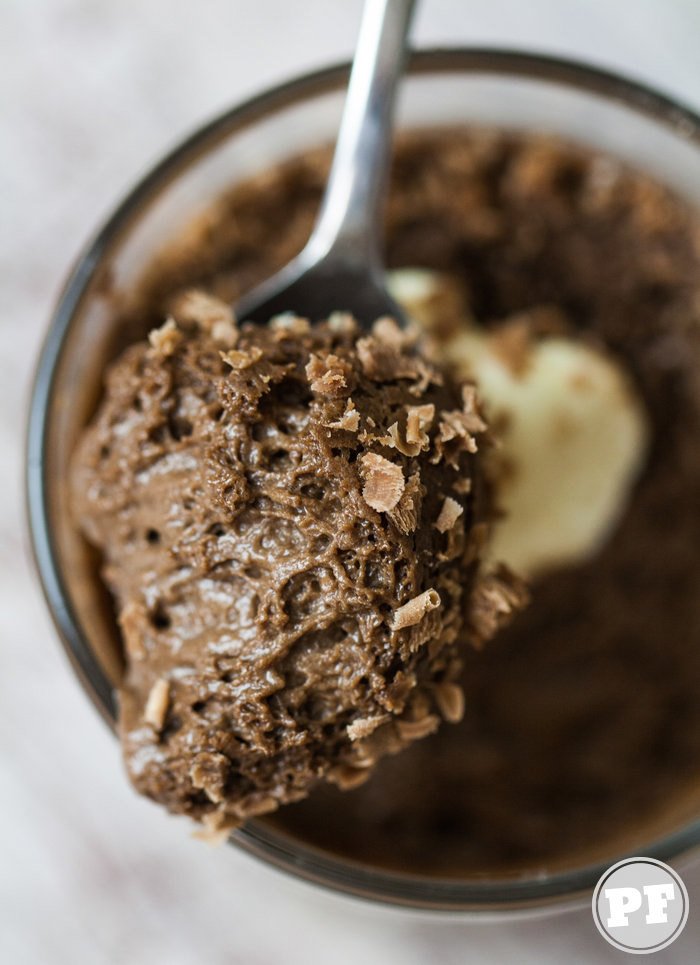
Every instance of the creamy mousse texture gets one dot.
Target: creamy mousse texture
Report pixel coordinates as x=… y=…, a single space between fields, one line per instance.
x=291 y=519
x=566 y=285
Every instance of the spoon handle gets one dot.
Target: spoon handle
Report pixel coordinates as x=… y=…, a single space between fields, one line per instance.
x=348 y=225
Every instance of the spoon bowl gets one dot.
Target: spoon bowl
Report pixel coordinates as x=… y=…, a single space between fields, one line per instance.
x=315 y=289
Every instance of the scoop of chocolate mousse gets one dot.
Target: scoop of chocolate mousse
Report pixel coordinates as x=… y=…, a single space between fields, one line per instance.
x=291 y=520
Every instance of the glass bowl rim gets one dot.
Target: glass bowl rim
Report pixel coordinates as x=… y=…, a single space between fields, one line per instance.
x=301 y=860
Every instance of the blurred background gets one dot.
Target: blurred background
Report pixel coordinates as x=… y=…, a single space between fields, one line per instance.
x=94 y=91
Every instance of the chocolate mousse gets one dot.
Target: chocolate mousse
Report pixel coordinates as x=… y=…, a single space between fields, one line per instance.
x=291 y=519
x=580 y=733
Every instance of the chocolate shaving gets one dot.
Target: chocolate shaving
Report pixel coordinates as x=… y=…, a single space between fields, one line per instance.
x=419 y=418
x=208 y=773
x=413 y=612
x=459 y=426
x=449 y=698
x=238 y=359
x=290 y=324
x=394 y=441
x=411 y=730
x=463 y=486
x=342 y=323
x=208 y=313
x=406 y=513
x=328 y=375
x=259 y=806
x=165 y=340
x=386 y=331
x=157 y=704
x=346 y=777
x=384 y=482
x=131 y=622
x=349 y=421
x=217 y=827
x=495 y=599
x=384 y=363
x=470 y=409
x=449 y=514
x=364 y=726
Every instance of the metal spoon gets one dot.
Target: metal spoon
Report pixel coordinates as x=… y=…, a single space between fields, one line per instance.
x=340 y=267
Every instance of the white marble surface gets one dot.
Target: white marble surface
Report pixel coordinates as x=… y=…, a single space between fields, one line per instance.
x=93 y=91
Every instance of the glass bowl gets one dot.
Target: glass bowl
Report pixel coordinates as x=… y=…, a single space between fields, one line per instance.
x=442 y=87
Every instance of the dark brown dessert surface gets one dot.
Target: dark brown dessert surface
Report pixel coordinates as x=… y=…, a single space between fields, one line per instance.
x=581 y=731
x=290 y=523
